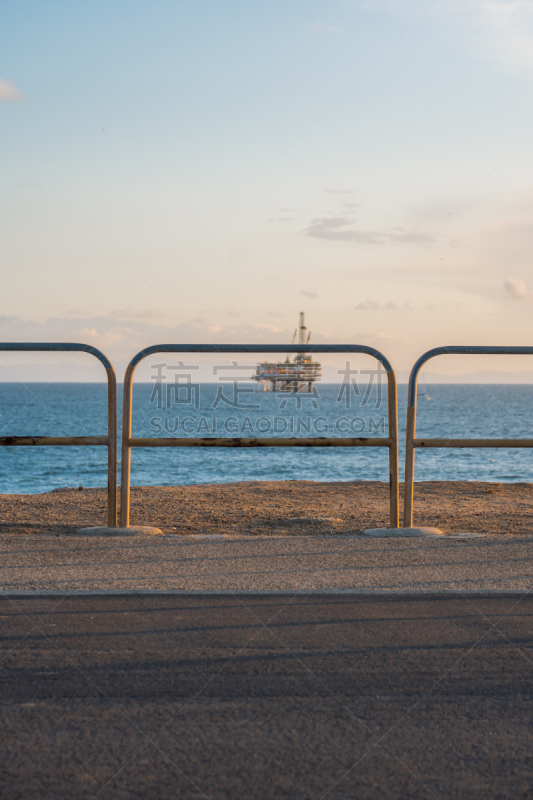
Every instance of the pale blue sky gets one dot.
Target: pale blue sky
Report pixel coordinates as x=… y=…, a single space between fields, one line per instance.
x=207 y=170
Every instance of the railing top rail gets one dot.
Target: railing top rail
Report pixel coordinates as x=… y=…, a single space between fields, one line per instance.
x=458 y=350
x=127 y=442
x=57 y=347
x=261 y=348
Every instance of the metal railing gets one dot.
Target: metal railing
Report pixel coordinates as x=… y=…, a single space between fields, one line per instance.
x=128 y=441
x=109 y=441
x=411 y=443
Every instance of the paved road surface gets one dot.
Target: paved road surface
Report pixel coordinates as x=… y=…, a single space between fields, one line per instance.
x=282 y=564
x=256 y=697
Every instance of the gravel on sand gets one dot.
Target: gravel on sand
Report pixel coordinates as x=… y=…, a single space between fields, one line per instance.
x=277 y=507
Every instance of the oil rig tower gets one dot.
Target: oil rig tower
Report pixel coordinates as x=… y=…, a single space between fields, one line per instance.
x=290 y=376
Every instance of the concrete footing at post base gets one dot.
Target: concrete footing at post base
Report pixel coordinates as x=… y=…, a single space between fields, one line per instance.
x=406 y=532
x=130 y=531
x=390 y=533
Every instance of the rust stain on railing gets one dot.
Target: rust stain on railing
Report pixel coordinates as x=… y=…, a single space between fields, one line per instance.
x=53 y=441
x=238 y=441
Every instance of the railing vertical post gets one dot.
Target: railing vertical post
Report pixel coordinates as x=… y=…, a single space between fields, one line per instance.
x=126 y=450
x=409 y=467
x=111 y=448
x=392 y=400
x=410 y=430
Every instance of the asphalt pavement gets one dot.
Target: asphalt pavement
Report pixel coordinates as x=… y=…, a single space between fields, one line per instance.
x=256 y=696
x=264 y=564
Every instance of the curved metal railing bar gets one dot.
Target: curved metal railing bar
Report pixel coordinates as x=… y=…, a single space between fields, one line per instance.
x=128 y=442
x=109 y=441
x=411 y=442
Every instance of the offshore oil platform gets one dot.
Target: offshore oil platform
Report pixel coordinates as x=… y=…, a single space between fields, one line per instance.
x=290 y=376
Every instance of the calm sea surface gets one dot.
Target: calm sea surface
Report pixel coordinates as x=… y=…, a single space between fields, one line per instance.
x=233 y=410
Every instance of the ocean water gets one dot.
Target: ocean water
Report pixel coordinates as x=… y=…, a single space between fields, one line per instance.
x=229 y=410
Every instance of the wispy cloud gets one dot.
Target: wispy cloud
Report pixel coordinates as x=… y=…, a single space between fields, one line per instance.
x=103 y=340
x=121 y=338
x=340 y=229
x=9 y=93
x=516 y=289
x=313 y=295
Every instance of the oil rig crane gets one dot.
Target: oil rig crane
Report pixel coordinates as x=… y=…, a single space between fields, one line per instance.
x=297 y=375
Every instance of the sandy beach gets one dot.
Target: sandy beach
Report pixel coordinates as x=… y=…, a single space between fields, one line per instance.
x=277 y=508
